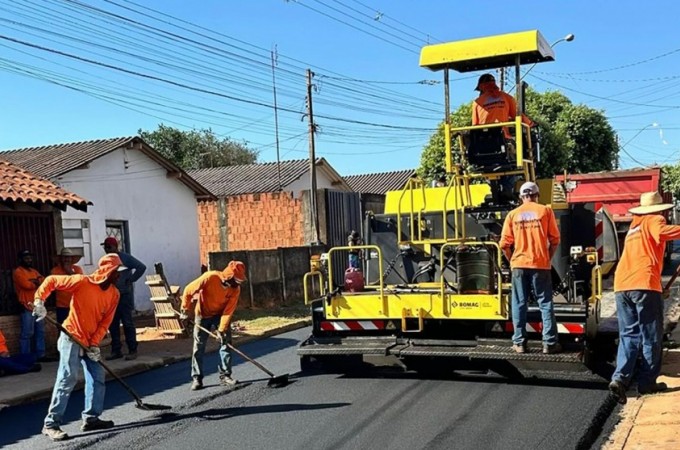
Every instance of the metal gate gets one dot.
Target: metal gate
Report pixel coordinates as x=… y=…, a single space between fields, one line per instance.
x=343 y=214
x=23 y=231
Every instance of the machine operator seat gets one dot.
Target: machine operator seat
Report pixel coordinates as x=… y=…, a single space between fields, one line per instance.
x=487 y=150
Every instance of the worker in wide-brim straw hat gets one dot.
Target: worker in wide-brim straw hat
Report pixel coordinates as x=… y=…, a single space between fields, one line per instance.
x=639 y=301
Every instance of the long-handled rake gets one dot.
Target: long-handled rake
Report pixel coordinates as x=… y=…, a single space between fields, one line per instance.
x=275 y=381
x=138 y=400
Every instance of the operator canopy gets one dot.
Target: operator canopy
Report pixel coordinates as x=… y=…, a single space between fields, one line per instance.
x=486 y=53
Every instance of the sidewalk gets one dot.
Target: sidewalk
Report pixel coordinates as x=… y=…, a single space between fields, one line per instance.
x=155 y=351
x=653 y=422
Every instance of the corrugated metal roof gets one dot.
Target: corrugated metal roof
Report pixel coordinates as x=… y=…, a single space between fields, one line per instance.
x=251 y=178
x=51 y=161
x=379 y=183
x=19 y=185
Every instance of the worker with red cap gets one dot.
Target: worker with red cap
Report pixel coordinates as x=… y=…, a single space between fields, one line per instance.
x=126 y=305
x=93 y=305
x=217 y=294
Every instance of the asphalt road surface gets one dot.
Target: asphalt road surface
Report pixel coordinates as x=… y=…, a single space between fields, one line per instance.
x=383 y=408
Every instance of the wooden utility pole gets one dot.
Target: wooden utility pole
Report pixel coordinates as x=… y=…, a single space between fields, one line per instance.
x=312 y=159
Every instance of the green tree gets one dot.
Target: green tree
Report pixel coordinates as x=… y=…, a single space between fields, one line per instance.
x=198 y=149
x=572 y=137
x=670 y=180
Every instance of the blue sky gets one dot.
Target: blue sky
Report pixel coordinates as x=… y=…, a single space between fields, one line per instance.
x=206 y=64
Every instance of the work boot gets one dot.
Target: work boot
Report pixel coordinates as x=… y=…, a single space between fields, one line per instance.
x=113 y=356
x=196 y=385
x=652 y=389
x=131 y=356
x=551 y=349
x=55 y=433
x=618 y=390
x=519 y=348
x=96 y=424
x=227 y=380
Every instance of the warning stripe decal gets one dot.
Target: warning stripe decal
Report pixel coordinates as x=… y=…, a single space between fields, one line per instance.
x=352 y=325
x=563 y=328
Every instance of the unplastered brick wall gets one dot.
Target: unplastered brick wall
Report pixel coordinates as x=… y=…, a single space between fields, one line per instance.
x=264 y=221
x=11 y=328
x=208 y=228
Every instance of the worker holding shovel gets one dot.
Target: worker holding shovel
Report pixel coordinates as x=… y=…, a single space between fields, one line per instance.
x=218 y=293
x=95 y=298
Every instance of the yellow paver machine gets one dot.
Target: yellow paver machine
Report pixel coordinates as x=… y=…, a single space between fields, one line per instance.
x=436 y=287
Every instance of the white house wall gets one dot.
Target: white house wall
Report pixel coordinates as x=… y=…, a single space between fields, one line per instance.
x=161 y=214
x=303 y=183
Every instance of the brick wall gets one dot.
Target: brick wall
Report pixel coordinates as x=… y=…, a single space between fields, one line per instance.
x=253 y=222
x=11 y=328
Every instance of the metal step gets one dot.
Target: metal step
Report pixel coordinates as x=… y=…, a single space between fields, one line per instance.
x=487 y=352
x=346 y=346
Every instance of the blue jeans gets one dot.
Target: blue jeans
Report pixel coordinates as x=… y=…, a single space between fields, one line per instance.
x=523 y=280
x=200 y=339
x=126 y=305
x=17 y=364
x=67 y=375
x=31 y=329
x=640 y=316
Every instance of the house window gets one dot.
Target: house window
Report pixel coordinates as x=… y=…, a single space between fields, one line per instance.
x=77 y=237
x=119 y=230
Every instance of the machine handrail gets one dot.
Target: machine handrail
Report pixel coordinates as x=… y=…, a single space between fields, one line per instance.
x=355 y=247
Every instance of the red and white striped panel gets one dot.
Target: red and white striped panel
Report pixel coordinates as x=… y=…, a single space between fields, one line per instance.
x=352 y=325
x=563 y=328
x=599 y=231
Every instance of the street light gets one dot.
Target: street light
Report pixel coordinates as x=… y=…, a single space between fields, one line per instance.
x=568 y=38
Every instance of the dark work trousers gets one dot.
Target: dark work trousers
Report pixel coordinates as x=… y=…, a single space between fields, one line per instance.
x=123 y=315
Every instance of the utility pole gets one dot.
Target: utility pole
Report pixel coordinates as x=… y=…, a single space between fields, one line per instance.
x=276 y=119
x=312 y=158
x=502 y=78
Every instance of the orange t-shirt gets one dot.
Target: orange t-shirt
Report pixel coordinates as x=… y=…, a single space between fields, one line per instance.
x=92 y=308
x=64 y=298
x=642 y=259
x=23 y=285
x=496 y=107
x=214 y=298
x=529 y=229
x=3 y=344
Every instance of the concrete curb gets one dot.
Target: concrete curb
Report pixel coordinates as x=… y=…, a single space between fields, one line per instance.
x=145 y=366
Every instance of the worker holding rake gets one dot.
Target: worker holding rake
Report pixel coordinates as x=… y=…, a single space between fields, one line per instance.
x=95 y=298
x=217 y=297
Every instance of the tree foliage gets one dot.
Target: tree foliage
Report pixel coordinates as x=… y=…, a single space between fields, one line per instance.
x=670 y=181
x=572 y=137
x=198 y=149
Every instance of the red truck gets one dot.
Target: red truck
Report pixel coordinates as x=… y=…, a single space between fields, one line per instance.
x=618 y=191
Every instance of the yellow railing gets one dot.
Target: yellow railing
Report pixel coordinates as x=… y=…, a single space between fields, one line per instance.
x=310 y=275
x=356 y=247
x=411 y=185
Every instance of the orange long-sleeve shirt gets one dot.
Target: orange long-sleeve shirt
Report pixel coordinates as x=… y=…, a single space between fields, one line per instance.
x=214 y=298
x=92 y=308
x=3 y=344
x=642 y=259
x=530 y=228
x=496 y=107
x=64 y=298
x=23 y=285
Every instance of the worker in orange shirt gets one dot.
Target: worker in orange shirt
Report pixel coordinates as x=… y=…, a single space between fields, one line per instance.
x=218 y=294
x=529 y=240
x=94 y=302
x=26 y=280
x=638 y=293
x=496 y=106
x=66 y=266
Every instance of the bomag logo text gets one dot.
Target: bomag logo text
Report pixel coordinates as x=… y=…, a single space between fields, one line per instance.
x=469 y=304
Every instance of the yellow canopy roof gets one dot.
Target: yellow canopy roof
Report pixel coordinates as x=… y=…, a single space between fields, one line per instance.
x=489 y=52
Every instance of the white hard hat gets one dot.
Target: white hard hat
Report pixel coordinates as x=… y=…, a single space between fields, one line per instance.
x=528 y=188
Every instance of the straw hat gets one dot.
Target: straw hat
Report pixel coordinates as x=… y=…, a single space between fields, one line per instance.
x=650 y=202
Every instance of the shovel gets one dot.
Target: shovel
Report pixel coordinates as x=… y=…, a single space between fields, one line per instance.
x=275 y=381
x=138 y=400
x=667 y=289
